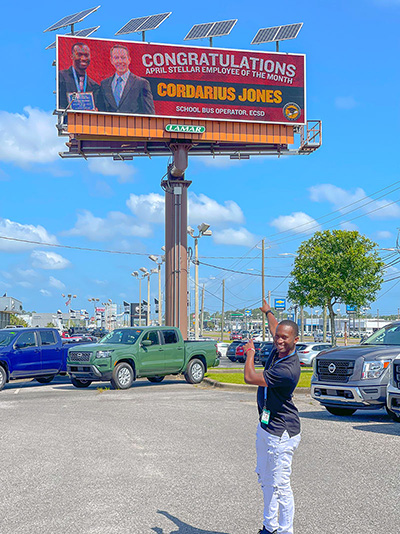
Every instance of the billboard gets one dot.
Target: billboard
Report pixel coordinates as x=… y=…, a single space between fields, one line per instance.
x=186 y=82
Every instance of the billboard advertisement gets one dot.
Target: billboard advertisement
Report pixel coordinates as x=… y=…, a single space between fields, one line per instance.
x=186 y=82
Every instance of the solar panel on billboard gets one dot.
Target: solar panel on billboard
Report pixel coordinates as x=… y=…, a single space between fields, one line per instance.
x=80 y=33
x=199 y=31
x=222 y=28
x=71 y=19
x=265 y=35
x=289 y=31
x=132 y=26
x=154 y=21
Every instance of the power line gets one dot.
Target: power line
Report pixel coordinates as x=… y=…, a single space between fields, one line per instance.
x=41 y=243
x=241 y=272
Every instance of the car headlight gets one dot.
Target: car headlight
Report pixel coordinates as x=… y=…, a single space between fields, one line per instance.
x=374 y=369
x=104 y=353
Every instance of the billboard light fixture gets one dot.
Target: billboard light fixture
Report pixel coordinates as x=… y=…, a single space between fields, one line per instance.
x=277 y=33
x=211 y=29
x=80 y=33
x=71 y=20
x=143 y=24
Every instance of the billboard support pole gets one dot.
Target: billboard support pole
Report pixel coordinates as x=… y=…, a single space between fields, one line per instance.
x=176 y=264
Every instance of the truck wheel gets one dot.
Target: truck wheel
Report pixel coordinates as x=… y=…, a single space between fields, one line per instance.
x=80 y=383
x=390 y=413
x=155 y=379
x=122 y=376
x=3 y=377
x=194 y=373
x=340 y=411
x=45 y=379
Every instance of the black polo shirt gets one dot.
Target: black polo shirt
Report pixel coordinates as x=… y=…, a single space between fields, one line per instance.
x=282 y=376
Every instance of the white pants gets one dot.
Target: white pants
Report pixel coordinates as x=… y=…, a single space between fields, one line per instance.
x=274 y=466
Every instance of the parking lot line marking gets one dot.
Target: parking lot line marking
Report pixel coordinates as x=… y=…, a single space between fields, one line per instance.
x=16 y=391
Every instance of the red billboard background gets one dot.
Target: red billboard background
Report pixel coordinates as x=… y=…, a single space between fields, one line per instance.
x=192 y=82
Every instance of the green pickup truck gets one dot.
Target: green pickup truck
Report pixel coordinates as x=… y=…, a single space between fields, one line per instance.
x=129 y=353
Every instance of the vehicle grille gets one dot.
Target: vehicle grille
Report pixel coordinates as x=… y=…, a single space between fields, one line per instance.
x=341 y=370
x=80 y=356
x=396 y=374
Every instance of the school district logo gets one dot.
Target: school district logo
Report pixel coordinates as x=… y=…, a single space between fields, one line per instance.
x=291 y=111
x=332 y=368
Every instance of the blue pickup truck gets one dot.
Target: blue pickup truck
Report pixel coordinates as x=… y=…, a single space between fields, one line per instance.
x=31 y=353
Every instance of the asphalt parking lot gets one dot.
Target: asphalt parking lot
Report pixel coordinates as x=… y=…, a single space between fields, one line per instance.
x=172 y=458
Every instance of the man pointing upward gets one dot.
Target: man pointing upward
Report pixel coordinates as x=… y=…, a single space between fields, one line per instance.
x=278 y=432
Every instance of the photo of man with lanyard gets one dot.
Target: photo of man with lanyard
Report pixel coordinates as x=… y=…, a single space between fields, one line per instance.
x=278 y=432
x=75 y=79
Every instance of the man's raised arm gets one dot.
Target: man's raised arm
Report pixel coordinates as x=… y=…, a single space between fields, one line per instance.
x=272 y=321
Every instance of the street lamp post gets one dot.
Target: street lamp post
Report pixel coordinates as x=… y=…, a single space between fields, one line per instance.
x=68 y=303
x=140 y=278
x=154 y=258
x=203 y=230
x=94 y=300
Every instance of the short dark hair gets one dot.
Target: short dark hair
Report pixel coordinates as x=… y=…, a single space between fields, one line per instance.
x=292 y=324
x=77 y=44
x=120 y=46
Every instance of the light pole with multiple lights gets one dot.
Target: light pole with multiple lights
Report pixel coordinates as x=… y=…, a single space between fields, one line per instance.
x=203 y=230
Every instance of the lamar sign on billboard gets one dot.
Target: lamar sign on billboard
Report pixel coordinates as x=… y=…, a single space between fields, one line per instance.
x=135 y=78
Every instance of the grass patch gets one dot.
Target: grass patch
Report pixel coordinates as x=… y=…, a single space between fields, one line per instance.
x=237 y=378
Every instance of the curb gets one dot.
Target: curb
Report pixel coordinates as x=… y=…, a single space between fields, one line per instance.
x=245 y=387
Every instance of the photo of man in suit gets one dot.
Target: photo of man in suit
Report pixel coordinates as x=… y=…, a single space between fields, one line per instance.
x=125 y=92
x=75 y=79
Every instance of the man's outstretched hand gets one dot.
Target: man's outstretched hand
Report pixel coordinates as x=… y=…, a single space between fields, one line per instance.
x=265 y=307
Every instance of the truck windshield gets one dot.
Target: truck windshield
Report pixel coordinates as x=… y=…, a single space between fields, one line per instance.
x=125 y=336
x=6 y=338
x=389 y=335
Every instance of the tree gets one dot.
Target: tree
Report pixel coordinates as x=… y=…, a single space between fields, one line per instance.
x=50 y=325
x=14 y=320
x=333 y=267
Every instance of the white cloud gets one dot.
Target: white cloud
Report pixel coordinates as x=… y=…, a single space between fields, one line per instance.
x=384 y=234
x=48 y=260
x=54 y=282
x=340 y=198
x=109 y=167
x=45 y=293
x=26 y=232
x=349 y=226
x=30 y=137
x=230 y=236
x=205 y=209
x=298 y=223
x=345 y=102
x=26 y=273
x=25 y=284
x=148 y=208
x=116 y=224
x=220 y=162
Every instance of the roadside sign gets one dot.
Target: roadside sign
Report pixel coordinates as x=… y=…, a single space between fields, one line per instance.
x=247 y=313
x=280 y=304
x=236 y=314
x=290 y=316
x=351 y=309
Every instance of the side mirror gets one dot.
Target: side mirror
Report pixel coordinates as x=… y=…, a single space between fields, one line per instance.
x=17 y=346
x=146 y=343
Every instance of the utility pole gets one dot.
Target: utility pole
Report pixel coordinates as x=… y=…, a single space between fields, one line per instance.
x=263 y=285
x=159 y=297
x=301 y=323
x=202 y=311
x=223 y=311
x=312 y=331
x=377 y=316
x=269 y=302
x=148 y=299
x=196 y=288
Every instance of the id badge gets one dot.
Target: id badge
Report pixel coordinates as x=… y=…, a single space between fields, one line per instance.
x=265 y=416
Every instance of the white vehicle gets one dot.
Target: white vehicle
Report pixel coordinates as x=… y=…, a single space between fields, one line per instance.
x=308 y=353
x=222 y=348
x=393 y=391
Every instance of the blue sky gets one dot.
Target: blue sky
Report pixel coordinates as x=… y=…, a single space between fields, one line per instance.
x=352 y=53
